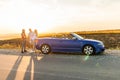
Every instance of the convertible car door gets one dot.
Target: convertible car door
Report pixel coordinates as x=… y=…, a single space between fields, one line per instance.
x=57 y=45
x=71 y=45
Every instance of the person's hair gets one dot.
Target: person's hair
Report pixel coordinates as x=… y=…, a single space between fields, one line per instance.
x=36 y=32
x=23 y=30
x=30 y=29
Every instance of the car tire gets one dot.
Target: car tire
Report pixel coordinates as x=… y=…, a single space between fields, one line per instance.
x=88 y=50
x=45 y=49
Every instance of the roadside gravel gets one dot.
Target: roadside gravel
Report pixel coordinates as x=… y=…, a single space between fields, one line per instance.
x=18 y=52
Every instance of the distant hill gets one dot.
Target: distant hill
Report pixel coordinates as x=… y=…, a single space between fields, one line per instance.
x=13 y=36
x=9 y=36
x=99 y=32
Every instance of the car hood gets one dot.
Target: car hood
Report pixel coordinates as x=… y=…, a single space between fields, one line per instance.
x=92 y=40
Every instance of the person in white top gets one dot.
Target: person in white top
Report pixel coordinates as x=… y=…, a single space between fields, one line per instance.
x=32 y=37
x=35 y=36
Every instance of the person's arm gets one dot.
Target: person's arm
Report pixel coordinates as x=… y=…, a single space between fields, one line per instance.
x=25 y=36
x=21 y=36
x=29 y=37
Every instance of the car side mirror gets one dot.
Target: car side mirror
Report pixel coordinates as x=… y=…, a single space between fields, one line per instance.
x=74 y=38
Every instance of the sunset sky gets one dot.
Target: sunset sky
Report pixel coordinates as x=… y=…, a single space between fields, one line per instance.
x=58 y=15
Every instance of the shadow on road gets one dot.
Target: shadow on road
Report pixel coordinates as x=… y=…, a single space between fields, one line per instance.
x=62 y=53
x=33 y=68
x=13 y=71
x=54 y=66
x=28 y=72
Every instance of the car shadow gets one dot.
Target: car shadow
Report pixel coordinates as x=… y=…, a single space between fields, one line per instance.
x=81 y=54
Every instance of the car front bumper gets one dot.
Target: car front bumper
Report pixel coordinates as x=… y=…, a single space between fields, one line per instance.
x=100 y=49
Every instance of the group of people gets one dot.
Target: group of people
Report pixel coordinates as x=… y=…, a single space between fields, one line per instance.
x=31 y=39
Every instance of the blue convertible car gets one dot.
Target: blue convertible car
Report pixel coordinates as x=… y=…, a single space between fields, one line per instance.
x=69 y=43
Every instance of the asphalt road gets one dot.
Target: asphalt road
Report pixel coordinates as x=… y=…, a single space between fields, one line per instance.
x=31 y=66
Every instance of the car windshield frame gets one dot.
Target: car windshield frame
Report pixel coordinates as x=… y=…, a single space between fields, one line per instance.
x=77 y=36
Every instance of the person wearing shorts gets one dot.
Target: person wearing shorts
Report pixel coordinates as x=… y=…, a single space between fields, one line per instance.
x=32 y=37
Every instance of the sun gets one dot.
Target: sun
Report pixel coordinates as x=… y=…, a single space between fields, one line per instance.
x=46 y=25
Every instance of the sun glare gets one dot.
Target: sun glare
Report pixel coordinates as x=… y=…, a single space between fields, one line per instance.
x=53 y=16
x=43 y=29
x=46 y=25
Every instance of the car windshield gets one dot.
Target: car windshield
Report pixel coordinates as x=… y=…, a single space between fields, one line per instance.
x=77 y=36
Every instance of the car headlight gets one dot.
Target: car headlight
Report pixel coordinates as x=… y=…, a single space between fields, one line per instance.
x=101 y=44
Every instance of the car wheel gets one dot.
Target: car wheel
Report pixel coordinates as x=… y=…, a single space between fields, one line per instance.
x=45 y=49
x=88 y=50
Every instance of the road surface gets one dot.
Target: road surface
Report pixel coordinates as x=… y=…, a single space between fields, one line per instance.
x=31 y=66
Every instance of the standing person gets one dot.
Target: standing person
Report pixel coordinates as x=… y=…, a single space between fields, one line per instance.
x=36 y=36
x=36 y=33
x=31 y=37
x=23 y=37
